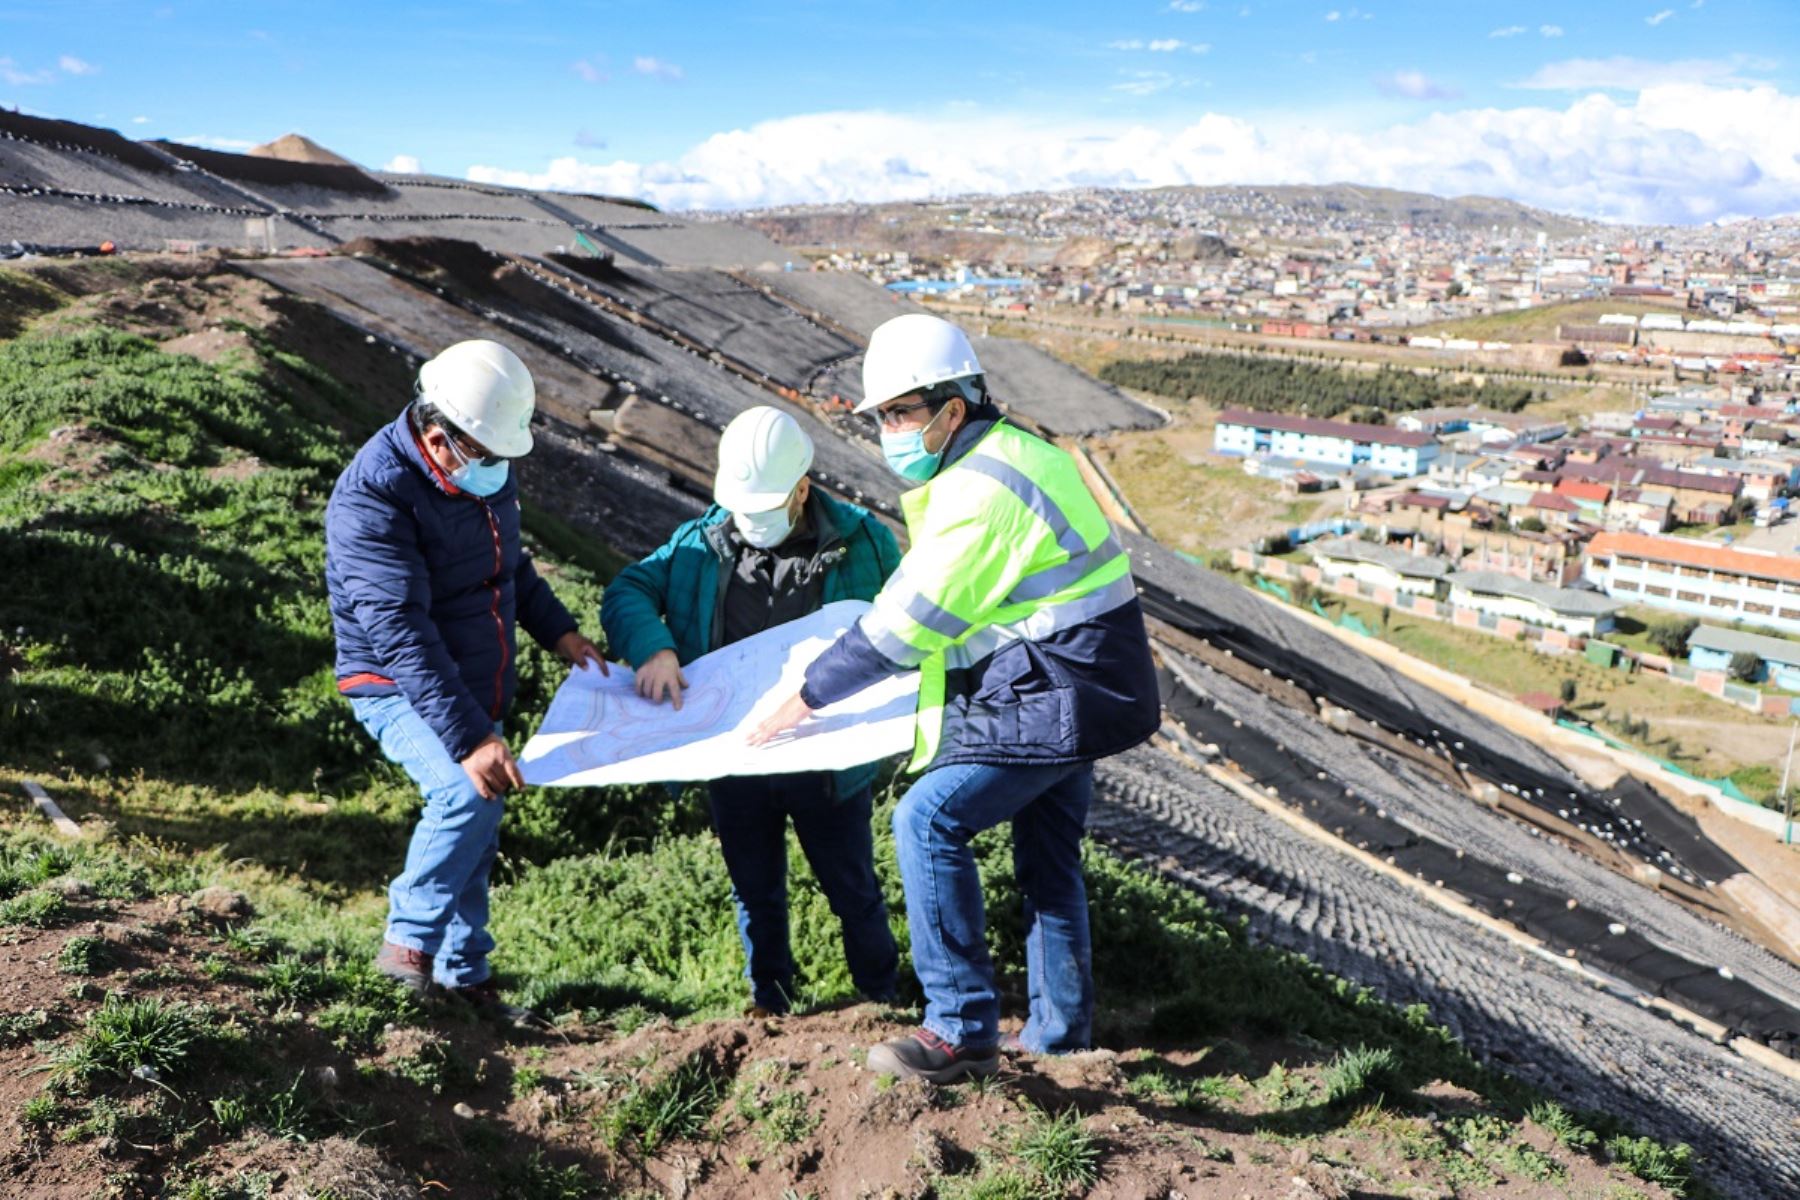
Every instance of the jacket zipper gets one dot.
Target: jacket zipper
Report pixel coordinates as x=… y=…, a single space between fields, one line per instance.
x=494 y=607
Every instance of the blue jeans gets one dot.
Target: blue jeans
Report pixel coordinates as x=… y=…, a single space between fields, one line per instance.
x=750 y=814
x=933 y=825
x=438 y=903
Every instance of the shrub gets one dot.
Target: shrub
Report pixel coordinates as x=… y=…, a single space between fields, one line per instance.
x=1670 y=634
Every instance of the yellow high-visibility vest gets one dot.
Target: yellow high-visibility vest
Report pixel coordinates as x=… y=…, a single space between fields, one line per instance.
x=1007 y=543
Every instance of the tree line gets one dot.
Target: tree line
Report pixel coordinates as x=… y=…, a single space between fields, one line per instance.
x=1272 y=385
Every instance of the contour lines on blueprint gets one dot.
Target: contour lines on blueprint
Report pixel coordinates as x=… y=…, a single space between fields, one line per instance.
x=600 y=731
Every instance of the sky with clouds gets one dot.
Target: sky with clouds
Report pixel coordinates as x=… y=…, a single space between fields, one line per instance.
x=1680 y=111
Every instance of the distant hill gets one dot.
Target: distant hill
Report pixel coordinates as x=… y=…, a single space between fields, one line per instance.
x=1419 y=208
x=294 y=147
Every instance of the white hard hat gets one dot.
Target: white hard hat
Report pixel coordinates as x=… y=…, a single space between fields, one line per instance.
x=483 y=389
x=763 y=454
x=911 y=352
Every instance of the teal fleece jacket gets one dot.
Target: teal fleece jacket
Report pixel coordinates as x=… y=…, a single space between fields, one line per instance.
x=673 y=599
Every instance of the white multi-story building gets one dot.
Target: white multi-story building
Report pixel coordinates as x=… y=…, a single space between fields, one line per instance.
x=1716 y=582
x=1395 y=452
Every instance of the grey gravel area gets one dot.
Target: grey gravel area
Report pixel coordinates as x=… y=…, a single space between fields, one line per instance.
x=56 y=221
x=851 y=300
x=396 y=311
x=1238 y=606
x=1535 y=1020
x=1452 y=818
x=30 y=165
x=690 y=383
x=730 y=317
x=701 y=244
x=616 y=355
x=1023 y=377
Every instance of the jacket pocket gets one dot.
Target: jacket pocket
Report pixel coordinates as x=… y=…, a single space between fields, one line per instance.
x=1023 y=702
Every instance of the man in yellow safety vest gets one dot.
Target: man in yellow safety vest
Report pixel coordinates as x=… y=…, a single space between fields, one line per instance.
x=1015 y=604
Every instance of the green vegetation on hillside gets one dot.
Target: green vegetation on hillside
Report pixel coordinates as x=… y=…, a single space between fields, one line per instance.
x=1271 y=385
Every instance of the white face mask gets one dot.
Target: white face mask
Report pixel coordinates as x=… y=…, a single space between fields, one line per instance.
x=765 y=529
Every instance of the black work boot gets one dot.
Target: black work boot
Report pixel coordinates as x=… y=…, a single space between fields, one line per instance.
x=922 y=1054
x=484 y=998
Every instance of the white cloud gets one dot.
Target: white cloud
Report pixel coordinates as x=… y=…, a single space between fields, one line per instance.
x=1550 y=30
x=1658 y=18
x=11 y=73
x=1159 y=45
x=1415 y=85
x=590 y=141
x=75 y=66
x=1144 y=83
x=1508 y=31
x=1679 y=152
x=1333 y=15
x=140 y=120
x=1633 y=74
x=402 y=164
x=656 y=68
x=1187 y=6
x=589 y=71
x=216 y=143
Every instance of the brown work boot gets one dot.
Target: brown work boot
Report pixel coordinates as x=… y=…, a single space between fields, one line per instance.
x=411 y=967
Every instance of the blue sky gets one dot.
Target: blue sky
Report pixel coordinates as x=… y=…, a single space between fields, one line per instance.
x=1667 y=111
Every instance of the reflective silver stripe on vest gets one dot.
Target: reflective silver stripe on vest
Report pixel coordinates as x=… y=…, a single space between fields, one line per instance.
x=921 y=609
x=1045 y=621
x=1031 y=496
x=1052 y=580
x=889 y=644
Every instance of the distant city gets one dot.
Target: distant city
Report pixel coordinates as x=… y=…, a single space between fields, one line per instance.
x=1343 y=263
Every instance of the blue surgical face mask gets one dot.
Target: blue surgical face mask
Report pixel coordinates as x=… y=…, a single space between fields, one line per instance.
x=480 y=480
x=906 y=453
x=475 y=477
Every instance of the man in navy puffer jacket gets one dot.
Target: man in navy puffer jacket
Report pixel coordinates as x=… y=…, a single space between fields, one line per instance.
x=427 y=577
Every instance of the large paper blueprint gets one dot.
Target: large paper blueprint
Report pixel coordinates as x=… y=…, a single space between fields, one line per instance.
x=600 y=731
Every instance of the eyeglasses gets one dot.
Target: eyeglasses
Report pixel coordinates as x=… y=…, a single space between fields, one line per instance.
x=473 y=451
x=887 y=418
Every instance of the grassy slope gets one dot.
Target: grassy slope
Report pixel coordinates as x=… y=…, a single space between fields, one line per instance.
x=167 y=672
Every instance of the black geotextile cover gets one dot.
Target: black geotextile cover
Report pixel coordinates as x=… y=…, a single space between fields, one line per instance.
x=1603 y=941
x=1641 y=822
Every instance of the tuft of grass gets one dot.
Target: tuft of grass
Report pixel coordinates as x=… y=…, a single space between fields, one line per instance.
x=668 y=1108
x=1563 y=1125
x=435 y=1065
x=41 y=1111
x=537 y=1178
x=84 y=954
x=780 y=1115
x=231 y=1114
x=1668 y=1166
x=124 y=1037
x=37 y=910
x=992 y=1183
x=1361 y=1073
x=1060 y=1150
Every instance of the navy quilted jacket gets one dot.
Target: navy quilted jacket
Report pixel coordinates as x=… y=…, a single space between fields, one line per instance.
x=426 y=582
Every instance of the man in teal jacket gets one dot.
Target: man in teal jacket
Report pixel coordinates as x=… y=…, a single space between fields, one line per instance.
x=771 y=550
